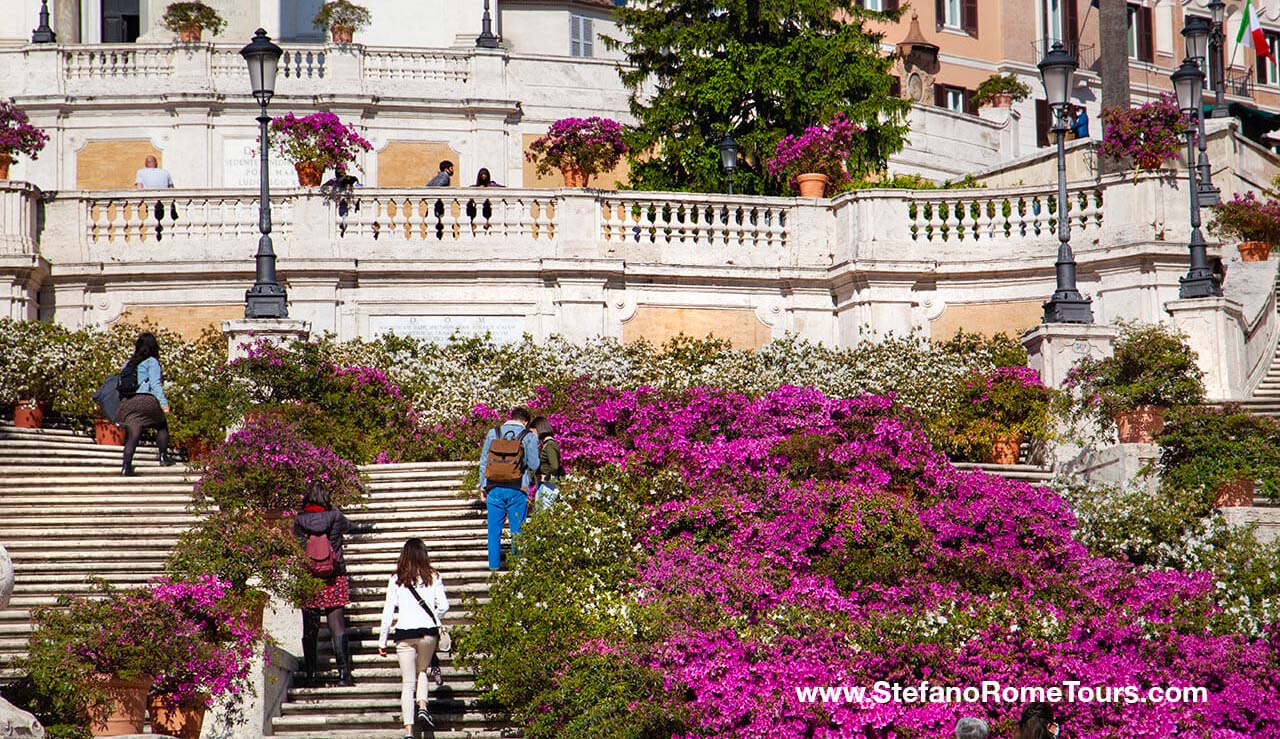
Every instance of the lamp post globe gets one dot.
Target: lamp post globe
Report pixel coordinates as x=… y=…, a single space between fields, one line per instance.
x=266 y=299
x=1056 y=72
x=1195 y=31
x=1218 y=10
x=728 y=157
x=1188 y=85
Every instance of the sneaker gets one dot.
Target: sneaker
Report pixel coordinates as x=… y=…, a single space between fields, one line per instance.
x=424 y=717
x=437 y=676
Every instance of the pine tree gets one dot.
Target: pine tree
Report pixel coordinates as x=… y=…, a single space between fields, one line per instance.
x=759 y=69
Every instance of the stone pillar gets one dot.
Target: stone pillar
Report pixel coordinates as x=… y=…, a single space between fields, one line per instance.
x=1215 y=329
x=244 y=332
x=1053 y=348
x=580 y=303
x=1007 y=119
x=66 y=20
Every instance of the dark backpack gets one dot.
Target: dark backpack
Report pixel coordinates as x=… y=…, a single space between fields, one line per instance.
x=322 y=561
x=504 y=465
x=128 y=383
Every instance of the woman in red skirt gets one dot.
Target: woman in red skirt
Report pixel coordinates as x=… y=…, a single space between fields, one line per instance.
x=318 y=517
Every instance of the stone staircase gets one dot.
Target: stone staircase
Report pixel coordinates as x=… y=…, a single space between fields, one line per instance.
x=68 y=516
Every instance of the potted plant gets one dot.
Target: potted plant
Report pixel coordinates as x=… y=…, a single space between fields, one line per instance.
x=1147 y=136
x=1151 y=370
x=100 y=654
x=317 y=142
x=17 y=136
x=1254 y=223
x=343 y=18
x=580 y=148
x=267 y=466
x=1224 y=452
x=189 y=19
x=30 y=375
x=1000 y=91
x=254 y=557
x=817 y=162
x=994 y=412
x=220 y=641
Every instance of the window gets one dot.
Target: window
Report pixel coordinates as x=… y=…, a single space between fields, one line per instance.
x=1059 y=27
x=121 y=21
x=582 y=36
x=957 y=14
x=878 y=6
x=955 y=99
x=1141 y=42
x=1268 y=71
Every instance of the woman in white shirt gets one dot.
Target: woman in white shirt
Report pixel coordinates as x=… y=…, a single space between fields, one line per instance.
x=416 y=593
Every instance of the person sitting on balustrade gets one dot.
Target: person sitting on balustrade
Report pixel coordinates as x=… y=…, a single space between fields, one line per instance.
x=152 y=176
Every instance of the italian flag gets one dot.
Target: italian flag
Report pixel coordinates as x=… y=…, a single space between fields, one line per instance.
x=1251 y=32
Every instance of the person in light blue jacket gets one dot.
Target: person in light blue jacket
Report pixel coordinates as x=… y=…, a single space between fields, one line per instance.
x=507 y=498
x=142 y=401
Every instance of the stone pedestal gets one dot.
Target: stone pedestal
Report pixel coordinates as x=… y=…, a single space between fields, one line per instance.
x=1053 y=348
x=1215 y=329
x=1119 y=464
x=242 y=333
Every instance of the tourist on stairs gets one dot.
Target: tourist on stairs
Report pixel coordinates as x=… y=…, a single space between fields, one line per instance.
x=416 y=598
x=508 y=462
x=321 y=527
x=142 y=401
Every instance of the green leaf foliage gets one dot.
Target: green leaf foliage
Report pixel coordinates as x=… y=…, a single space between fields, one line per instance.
x=1202 y=448
x=759 y=69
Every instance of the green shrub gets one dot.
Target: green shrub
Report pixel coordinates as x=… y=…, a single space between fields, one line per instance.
x=1202 y=448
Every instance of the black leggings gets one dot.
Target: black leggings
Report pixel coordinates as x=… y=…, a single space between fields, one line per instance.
x=132 y=437
x=336 y=618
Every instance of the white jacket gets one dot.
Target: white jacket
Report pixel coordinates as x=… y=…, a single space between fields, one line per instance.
x=411 y=616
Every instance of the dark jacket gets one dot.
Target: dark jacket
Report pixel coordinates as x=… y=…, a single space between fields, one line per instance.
x=549 y=454
x=331 y=522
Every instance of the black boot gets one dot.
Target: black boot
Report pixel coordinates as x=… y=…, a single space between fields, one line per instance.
x=127 y=471
x=166 y=460
x=309 y=650
x=342 y=655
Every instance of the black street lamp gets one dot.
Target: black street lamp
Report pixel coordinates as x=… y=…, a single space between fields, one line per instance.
x=1196 y=32
x=729 y=157
x=43 y=33
x=1067 y=304
x=1188 y=83
x=486 y=39
x=266 y=299
x=1217 y=60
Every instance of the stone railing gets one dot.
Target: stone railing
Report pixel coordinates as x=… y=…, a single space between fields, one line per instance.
x=151 y=218
x=694 y=220
x=1020 y=213
x=492 y=215
x=161 y=69
x=19 y=217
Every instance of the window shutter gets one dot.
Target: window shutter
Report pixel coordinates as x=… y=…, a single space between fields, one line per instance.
x=969 y=17
x=588 y=37
x=970 y=107
x=940 y=10
x=1071 y=18
x=940 y=95
x=1043 y=122
x=575 y=35
x=1146 y=41
x=895 y=87
x=890 y=6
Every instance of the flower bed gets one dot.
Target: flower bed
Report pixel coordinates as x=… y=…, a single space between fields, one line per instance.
x=698 y=574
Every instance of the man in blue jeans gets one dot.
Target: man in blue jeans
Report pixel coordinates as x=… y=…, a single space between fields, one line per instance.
x=509 y=456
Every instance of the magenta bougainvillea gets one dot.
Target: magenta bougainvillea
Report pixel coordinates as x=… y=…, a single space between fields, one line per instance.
x=1148 y=135
x=823 y=149
x=592 y=145
x=818 y=542
x=17 y=135
x=319 y=137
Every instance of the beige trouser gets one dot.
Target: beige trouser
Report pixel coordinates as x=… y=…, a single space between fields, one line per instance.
x=415 y=660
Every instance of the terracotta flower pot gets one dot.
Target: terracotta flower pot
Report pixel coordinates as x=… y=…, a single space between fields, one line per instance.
x=1238 y=492
x=812 y=185
x=107 y=433
x=5 y=160
x=126 y=709
x=342 y=34
x=574 y=177
x=1140 y=425
x=190 y=34
x=181 y=720
x=1254 y=251
x=1005 y=449
x=309 y=173
x=1001 y=100
x=28 y=414
x=199 y=450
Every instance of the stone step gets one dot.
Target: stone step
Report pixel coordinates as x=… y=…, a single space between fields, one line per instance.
x=374 y=733
x=364 y=720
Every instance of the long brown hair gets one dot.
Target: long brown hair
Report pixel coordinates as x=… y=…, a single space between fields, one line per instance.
x=415 y=565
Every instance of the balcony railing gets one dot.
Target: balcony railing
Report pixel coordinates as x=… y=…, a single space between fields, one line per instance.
x=1086 y=54
x=1238 y=83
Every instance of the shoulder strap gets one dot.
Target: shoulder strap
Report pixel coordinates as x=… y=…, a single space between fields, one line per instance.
x=424 y=605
